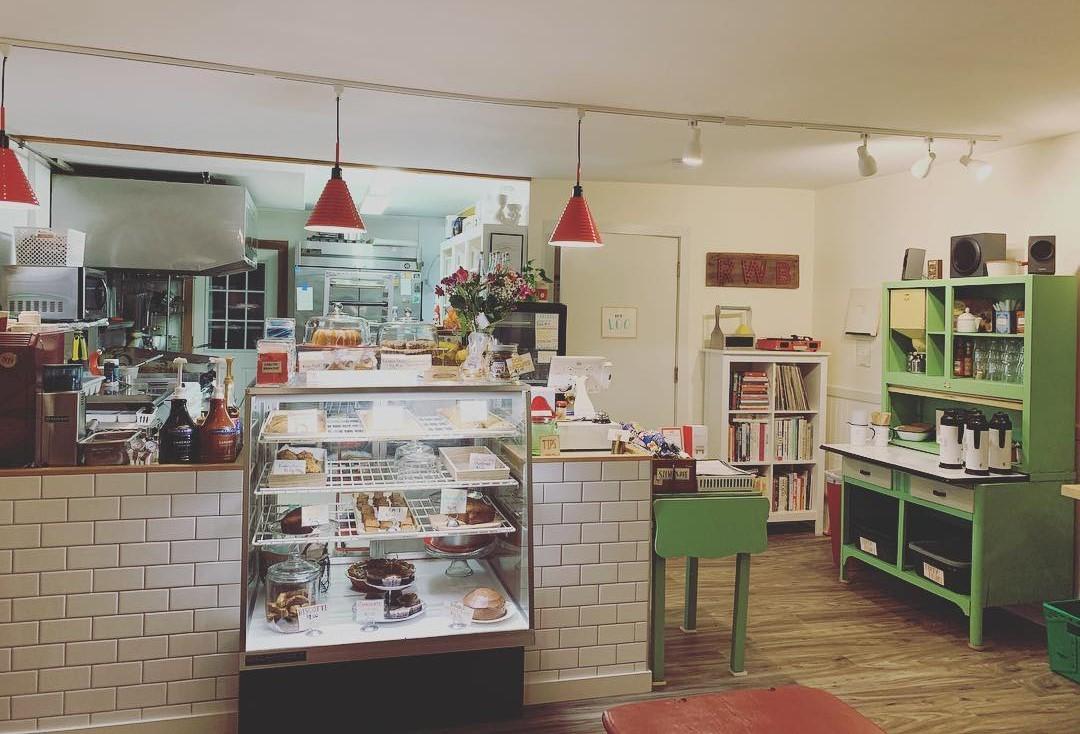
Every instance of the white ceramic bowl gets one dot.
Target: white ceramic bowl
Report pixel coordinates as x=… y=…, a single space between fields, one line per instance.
x=913 y=435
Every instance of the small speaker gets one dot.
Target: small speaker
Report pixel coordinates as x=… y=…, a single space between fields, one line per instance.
x=913 y=263
x=969 y=253
x=1042 y=254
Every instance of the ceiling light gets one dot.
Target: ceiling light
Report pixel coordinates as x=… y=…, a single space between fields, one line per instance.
x=867 y=164
x=692 y=155
x=374 y=204
x=576 y=227
x=335 y=211
x=981 y=170
x=15 y=189
x=921 y=168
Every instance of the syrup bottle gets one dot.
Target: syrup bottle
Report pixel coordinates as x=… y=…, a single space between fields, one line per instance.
x=217 y=435
x=177 y=438
x=230 y=404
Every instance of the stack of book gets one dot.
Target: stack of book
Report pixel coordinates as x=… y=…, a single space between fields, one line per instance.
x=791 y=491
x=750 y=390
x=748 y=439
x=794 y=439
x=790 y=391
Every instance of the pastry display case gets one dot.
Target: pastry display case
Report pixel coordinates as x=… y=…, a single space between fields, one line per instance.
x=385 y=522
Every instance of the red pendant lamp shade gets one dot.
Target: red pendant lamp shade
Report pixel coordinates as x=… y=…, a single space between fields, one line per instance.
x=335 y=211
x=576 y=227
x=15 y=189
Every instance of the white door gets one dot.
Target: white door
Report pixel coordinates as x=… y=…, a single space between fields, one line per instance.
x=639 y=271
x=229 y=312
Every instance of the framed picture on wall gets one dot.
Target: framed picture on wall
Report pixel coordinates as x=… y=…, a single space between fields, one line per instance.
x=508 y=249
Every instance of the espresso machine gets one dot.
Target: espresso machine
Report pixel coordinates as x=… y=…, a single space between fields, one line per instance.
x=22 y=358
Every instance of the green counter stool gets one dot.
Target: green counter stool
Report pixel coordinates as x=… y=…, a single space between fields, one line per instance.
x=705 y=526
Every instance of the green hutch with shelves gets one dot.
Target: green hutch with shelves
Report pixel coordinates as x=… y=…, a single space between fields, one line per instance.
x=1019 y=530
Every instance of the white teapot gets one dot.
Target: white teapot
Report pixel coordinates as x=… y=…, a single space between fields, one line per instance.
x=967 y=322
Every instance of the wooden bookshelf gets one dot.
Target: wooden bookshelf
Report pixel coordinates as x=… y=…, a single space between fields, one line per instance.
x=718 y=413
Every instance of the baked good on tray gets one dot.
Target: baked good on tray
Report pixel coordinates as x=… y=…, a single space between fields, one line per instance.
x=367 y=504
x=477 y=511
x=389 y=572
x=486 y=604
x=401 y=605
x=291 y=523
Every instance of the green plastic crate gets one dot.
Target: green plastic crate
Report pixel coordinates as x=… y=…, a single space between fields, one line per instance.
x=1063 y=637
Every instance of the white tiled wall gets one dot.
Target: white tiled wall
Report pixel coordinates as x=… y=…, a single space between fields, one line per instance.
x=119 y=597
x=592 y=528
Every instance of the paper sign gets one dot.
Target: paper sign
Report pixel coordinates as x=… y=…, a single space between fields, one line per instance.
x=483 y=461
x=549 y=445
x=391 y=514
x=314 y=515
x=310 y=617
x=305 y=298
x=544 y=357
x=521 y=364
x=547 y=338
x=933 y=573
x=368 y=610
x=547 y=321
x=868 y=546
x=482 y=321
x=303 y=421
x=452 y=501
x=472 y=411
x=618 y=322
x=405 y=361
x=406 y=284
x=289 y=467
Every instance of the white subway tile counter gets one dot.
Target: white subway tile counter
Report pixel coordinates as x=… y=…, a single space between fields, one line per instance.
x=592 y=524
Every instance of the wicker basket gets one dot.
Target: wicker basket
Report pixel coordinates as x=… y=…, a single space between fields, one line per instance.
x=41 y=246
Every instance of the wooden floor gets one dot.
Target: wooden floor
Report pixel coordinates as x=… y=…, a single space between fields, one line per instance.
x=896 y=654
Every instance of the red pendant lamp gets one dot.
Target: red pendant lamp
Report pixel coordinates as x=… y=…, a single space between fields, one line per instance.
x=576 y=227
x=335 y=211
x=15 y=189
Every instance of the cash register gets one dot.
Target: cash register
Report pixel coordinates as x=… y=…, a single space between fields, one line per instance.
x=587 y=429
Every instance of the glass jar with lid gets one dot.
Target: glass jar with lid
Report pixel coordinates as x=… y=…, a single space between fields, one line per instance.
x=291 y=585
x=337 y=329
x=408 y=336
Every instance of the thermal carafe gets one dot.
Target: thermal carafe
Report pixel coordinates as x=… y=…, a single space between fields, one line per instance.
x=976 y=444
x=999 y=457
x=61 y=422
x=950 y=446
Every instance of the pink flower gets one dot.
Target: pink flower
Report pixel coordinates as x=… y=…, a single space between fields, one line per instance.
x=462 y=275
x=439 y=291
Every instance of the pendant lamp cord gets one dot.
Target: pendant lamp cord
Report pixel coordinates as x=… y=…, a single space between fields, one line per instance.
x=581 y=116
x=337 y=130
x=3 y=86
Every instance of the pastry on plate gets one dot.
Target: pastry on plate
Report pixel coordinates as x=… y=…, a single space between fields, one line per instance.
x=486 y=604
x=389 y=572
x=291 y=523
x=477 y=511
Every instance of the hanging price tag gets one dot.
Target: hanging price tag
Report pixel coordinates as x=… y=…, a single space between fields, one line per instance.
x=453 y=501
x=289 y=467
x=314 y=515
x=472 y=411
x=483 y=461
x=310 y=617
x=391 y=514
x=521 y=364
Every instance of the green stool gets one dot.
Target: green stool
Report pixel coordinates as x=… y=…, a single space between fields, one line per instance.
x=705 y=526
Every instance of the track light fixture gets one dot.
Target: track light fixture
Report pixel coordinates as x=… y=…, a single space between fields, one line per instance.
x=867 y=164
x=692 y=156
x=921 y=168
x=980 y=170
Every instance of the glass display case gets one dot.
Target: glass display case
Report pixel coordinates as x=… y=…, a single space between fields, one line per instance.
x=385 y=521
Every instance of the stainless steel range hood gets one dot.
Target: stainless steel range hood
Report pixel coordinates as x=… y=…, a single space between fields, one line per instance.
x=185 y=228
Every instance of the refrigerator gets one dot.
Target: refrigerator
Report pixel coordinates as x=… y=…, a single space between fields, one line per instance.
x=540 y=330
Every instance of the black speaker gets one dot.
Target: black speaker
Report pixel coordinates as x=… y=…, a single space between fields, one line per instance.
x=969 y=253
x=1042 y=254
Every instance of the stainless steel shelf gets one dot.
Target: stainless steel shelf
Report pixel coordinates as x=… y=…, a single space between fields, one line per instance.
x=344 y=525
x=377 y=475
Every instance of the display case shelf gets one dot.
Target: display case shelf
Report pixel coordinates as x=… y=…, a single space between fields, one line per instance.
x=377 y=475
x=345 y=526
x=349 y=424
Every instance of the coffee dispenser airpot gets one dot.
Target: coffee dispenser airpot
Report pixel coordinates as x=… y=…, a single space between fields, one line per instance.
x=950 y=442
x=999 y=458
x=976 y=444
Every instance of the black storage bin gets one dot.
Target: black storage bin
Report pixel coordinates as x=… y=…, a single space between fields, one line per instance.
x=944 y=562
x=876 y=541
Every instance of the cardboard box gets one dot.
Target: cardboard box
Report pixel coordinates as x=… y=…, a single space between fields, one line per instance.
x=674 y=475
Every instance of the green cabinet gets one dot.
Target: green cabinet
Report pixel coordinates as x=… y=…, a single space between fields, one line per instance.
x=1017 y=535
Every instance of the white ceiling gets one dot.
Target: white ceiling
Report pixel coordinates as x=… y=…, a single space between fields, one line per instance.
x=984 y=66
x=281 y=185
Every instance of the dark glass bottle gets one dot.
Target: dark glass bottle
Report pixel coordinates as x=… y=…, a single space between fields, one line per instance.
x=177 y=437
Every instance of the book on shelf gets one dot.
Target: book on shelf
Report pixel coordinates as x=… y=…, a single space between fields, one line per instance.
x=790 y=389
x=748 y=439
x=749 y=390
x=794 y=439
x=791 y=490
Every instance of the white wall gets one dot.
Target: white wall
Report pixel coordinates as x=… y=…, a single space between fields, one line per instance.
x=862 y=229
x=712 y=219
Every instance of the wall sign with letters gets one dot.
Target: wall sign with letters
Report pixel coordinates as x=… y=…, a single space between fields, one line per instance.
x=751 y=270
x=618 y=322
